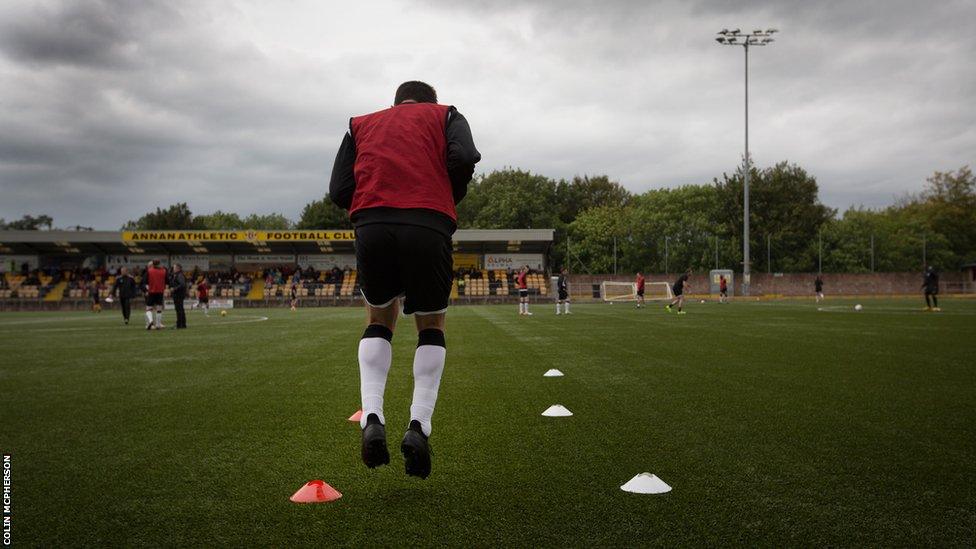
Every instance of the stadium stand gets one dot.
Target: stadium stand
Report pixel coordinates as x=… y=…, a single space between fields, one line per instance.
x=56 y=269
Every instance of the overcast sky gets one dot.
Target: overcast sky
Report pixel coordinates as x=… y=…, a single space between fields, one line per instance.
x=109 y=109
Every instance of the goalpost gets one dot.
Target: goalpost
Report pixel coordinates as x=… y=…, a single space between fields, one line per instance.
x=611 y=291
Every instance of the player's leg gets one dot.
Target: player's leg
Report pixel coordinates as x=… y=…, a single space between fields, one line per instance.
x=566 y=306
x=427 y=265
x=928 y=300
x=378 y=273
x=559 y=306
x=428 y=366
x=935 y=301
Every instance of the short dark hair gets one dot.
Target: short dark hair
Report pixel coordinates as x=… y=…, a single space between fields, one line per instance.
x=416 y=90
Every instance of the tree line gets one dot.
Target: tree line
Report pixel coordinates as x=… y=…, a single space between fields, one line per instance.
x=600 y=225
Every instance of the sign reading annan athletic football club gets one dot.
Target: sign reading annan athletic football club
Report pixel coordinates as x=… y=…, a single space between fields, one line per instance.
x=236 y=236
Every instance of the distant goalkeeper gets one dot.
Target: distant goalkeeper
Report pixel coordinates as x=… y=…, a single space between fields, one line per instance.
x=679 y=292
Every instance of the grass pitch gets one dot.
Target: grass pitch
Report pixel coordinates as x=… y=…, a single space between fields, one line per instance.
x=775 y=424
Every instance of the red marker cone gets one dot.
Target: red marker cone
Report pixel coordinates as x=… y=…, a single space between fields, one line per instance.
x=357 y=416
x=315 y=491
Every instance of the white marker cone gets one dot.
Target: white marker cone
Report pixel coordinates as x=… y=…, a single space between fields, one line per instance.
x=646 y=483
x=553 y=373
x=557 y=410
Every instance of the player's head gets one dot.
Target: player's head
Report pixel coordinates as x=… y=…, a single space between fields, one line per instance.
x=415 y=91
x=177 y=267
x=123 y=271
x=639 y=273
x=565 y=270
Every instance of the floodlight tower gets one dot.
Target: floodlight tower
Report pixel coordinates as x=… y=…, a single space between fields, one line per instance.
x=736 y=37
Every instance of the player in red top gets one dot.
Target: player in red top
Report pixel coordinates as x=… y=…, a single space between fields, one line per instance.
x=640 y=290
x=523 y=290
x=155 y=286
x=203 y=296
x=401 y=172
x=723 y=289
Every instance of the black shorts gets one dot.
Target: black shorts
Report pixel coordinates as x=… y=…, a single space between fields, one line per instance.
x=677 y=290
x=203 y=300
x=640 y=292
x=523 y=293
x=405 y=260
x=563 y=295
x=931 y=291
x=723 y=292
x=154 y=300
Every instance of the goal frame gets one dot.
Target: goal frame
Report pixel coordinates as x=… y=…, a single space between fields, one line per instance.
x=627 y=291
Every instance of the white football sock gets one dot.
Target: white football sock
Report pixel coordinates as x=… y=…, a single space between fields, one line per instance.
x=428 y=365
x=159 y=318
x=149 y=318
x=557 y=308
x=566 y=307
x=375 y=357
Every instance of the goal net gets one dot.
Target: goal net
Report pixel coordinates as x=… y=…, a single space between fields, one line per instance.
x=618 y=291
x=627 y=291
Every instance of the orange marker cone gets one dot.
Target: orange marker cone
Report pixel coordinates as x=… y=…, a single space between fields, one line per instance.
x=357 y=416
x=315 y=491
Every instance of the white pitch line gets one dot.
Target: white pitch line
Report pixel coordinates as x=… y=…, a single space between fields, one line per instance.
x=104 y=325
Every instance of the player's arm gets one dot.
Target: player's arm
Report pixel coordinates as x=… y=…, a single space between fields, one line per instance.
x=343 y=183
x=462 y=155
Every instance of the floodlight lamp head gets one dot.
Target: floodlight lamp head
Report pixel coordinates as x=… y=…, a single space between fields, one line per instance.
x=720 y=40
x=772 y=31
x=736 y=31
x=723 y=32
x=757 y=32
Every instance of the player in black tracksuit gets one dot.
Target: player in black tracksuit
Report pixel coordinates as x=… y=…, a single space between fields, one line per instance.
x=124 y=290
x=931 y=286
x=562 y=287
x=178 y=292
x=679 y=292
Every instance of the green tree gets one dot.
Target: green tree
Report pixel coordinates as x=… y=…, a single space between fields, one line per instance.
x=176 y=217
x=28 y=223
x=323 y=214
x=272 y=221
x=509 y=199
x=584 y=193
x=218 y=220
x=784 y=206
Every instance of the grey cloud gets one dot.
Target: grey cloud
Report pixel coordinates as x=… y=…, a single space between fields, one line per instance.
x=109 y=109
